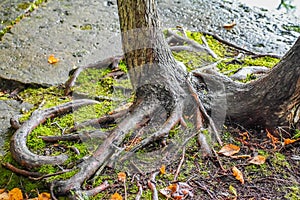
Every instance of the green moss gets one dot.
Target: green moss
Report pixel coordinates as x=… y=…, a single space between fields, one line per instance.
x=292 y=28
x=48 y=97
x=23 y=5
x=262 y=61
x=191 y=60
x=86 y=27
x=293 y=192
x=195 y=36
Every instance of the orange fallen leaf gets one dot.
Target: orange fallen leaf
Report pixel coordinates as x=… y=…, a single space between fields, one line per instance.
x=2 y=190
x=229 y=26
x=290 y=141
x=258 y=160
x=52 y=59
x=15 y=194
x=162 y=169
x=116 y=196
x=172 y=187
x=238 y=174
x=44 y=196
x=229 y=150
x=122 y=176
x=274 y=139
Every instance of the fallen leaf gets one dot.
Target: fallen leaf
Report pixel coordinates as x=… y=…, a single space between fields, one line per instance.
x=229 y=26
x=258 y=160
x=178 y=190
x=162 y=169
x=44 y=196
x=2 y=190
x=52 y=59
x=290 y=141
x=15 y=194
x=232 y=190
x=229 y=150
x=240 y=156
x=274 y=139
x=4 y=196
x=122 y=176
x=116 y=196
x=238 y=174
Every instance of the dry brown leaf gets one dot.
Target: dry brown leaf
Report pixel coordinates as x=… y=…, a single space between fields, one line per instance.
x=229 y=150
x=178 y=190
x=4 y=196
x=290 y=141
x=52 y=59
x=15 y=194
x=163 y=169
x=116 y=196
x=238 y=174
x=274 y=139
x=44 y=196
x=240 y=156
x=258 y=160
x=229 y=26
x=122 y=176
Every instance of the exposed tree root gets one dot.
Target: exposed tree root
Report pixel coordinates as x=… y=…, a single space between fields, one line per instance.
x=19 y=149
x=112 y=61
x=193 y=46
x=131 y=120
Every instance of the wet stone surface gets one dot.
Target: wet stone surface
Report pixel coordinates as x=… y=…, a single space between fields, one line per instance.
x=11 y=9
x=256 y=29
x=8 y=109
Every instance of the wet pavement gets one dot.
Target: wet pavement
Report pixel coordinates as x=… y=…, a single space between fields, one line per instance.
x=81 y=32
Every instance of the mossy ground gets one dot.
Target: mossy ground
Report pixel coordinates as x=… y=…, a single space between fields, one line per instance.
x=280 y=174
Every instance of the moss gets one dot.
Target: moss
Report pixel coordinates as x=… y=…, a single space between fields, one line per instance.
x=262 y=61
x=86 y=27
x=47 y=97
x=197 y=36
x=23 y=5
x=292 y=28
x=293 y=192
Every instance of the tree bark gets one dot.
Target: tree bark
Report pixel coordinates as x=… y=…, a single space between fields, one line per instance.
x=270 y=102
x=152 y=68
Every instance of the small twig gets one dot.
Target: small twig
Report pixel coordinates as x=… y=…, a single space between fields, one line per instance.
x=53 y=197
x=21 y=171
x=180 y=164
x=140 y=192
x=96 y=190
x=205 y=189
x=151 y=185
x=50 y=175
x=219 y=161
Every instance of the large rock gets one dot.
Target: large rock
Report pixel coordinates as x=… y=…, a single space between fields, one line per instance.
x=8 y=109
x=76 y=32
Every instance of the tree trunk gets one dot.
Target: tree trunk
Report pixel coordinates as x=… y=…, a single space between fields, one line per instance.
x=151 y=65
x=271 y=101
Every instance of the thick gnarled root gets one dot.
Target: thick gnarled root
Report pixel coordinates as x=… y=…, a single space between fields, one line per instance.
x=19 y=149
